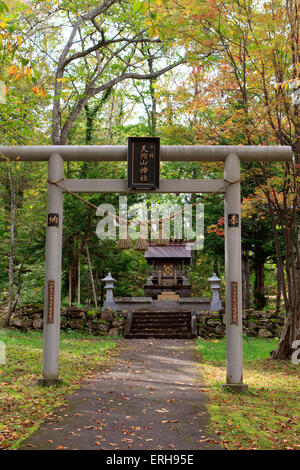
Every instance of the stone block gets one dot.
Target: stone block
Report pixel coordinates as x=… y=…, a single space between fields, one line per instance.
x=37 y=324
x=107 y=315
x=114 y=332
x=264 y=333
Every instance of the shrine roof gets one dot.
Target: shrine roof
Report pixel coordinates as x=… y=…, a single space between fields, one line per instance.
x=182 y=251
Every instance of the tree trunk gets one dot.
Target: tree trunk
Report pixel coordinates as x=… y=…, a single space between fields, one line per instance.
x=259 y=285
x=96 y=283
x=278 y=295
x=88 y=298
x=70 y=287
x=78 y=281
x=102 y=289
x=246 y=280
x=91 y=276
x=20 y=270
x=74 y=268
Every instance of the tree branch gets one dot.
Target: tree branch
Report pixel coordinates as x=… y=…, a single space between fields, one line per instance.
x=110 y=84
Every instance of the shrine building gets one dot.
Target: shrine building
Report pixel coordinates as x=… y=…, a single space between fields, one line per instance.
x=168 y=279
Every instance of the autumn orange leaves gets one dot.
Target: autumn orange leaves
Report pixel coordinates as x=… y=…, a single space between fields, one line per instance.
x=18 y=73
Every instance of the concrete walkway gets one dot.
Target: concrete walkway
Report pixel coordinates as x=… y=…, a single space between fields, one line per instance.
x=150 y=398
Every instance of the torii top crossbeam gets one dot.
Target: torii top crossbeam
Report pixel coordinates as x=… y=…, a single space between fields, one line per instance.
x=168 y=152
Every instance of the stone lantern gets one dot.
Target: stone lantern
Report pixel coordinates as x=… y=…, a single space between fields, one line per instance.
x=215 y=304
x=109 y=286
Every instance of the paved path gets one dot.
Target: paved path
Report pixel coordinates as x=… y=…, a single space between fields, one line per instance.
x=150 y=398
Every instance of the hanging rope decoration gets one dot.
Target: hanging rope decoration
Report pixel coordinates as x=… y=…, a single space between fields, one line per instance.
x=125 y=243
x=162 y=239
x=142 y=242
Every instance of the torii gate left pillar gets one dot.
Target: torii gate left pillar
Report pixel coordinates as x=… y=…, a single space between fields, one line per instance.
x=52 y=294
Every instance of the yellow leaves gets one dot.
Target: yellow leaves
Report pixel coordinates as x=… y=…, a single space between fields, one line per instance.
x=286 y=83
x=28 y=72
x=155 y=31
x=63 y=80
x=19 y=40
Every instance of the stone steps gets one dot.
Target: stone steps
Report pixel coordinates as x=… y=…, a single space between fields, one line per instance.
x=160 y=335
x=160 y=325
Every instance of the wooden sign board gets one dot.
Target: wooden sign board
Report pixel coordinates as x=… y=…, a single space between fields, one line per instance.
x=51 y=292
x=233 y=220
x=53 y=220
x=234 y=303
x=143 y=161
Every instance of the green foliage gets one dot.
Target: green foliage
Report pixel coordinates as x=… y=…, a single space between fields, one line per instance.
x=92 y=313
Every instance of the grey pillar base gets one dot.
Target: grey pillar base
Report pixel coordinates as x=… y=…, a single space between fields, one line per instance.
x=110 y=305
x=215 y=306
x=43 y=382
x=235 y=388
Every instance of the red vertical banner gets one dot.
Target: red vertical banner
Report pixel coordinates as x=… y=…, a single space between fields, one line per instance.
x=234 y=302
x=51 y=292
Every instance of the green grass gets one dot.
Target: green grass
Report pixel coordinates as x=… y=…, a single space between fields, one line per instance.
x=23 y=405
x=268 y=415
x=253 y=348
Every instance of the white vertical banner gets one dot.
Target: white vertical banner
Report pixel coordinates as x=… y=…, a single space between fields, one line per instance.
x=2 y=93
x=2 y=352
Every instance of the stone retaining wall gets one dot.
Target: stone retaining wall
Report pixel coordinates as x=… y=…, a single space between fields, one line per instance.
x=100 y=323
x=112 y=322
x=255 y=323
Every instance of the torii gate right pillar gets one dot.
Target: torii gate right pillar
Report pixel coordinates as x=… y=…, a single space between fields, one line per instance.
x=233 y=277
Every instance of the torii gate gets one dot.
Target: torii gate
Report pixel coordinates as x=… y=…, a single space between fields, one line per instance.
x=231 y=155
